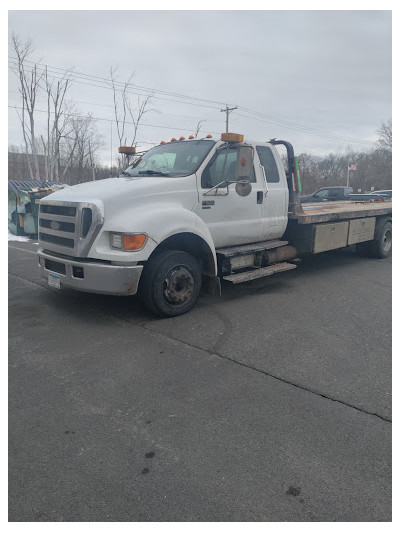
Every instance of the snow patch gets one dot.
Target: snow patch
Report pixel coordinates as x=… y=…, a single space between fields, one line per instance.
x=20 y=238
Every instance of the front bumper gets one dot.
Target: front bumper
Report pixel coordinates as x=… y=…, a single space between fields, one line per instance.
x=93 y=277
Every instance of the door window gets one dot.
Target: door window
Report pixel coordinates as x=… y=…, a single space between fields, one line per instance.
x=322 y=194
x=334 y=193
x=221 y=167
x=267 y=160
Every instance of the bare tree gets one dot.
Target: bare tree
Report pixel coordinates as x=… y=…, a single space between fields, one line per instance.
x=29 y=86
x=198 y=127
x=84 y=141
x=124 y=109
x=137 y=113
x=61 y=118
x=385 y=135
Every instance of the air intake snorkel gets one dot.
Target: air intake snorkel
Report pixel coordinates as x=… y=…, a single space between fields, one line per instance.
x=293 y=177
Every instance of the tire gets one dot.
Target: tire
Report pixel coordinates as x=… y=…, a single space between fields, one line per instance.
x=171 y=283
x=381 y=246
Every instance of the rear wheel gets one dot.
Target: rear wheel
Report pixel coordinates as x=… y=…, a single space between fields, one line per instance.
x=381 y=246
x=171 y=283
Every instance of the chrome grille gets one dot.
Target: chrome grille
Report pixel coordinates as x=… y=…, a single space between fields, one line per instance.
x=69 y=227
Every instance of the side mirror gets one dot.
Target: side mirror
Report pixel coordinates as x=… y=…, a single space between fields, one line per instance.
x=244 y=170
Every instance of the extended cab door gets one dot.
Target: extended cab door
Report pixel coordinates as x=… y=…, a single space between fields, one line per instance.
x=275 y=205
x=231 y=219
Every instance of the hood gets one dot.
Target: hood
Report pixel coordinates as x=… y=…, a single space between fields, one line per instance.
x=111 y=188
x=117 y=194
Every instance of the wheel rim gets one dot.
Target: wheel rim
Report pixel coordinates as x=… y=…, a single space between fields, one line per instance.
x=178 y=285
x=387 y=240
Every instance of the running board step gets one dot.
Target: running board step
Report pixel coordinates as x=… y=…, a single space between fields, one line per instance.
x=259 y=273
x=250 y=248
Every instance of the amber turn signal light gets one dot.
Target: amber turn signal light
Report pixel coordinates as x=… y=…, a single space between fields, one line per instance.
x=134 y=242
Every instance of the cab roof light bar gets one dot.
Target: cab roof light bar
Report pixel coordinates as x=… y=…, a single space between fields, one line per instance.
x=232 y=137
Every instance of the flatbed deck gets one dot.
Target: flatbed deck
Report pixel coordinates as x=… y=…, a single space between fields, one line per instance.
x=331 y=211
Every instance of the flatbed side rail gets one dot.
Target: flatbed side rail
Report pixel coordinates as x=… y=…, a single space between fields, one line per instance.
x=344 y=211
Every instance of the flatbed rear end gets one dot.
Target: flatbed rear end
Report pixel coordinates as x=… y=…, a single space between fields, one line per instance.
x=320 y=228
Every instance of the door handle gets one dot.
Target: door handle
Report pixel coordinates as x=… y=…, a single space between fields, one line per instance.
x=260 y=197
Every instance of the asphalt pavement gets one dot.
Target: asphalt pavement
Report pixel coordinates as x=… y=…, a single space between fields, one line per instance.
x=271 y=403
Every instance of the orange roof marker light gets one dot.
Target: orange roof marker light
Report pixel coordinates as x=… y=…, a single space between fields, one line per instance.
x=191 y=136
x=128 y=150
x=232 y=137
x=181 y=138
x=173 y=139
x=162 y=142
x=209 y=136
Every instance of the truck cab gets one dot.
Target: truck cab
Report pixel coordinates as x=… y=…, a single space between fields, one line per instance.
x=181 y=195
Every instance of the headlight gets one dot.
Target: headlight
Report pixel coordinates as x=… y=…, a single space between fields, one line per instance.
x=129 y=242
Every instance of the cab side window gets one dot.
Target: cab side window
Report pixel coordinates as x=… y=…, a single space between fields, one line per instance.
x=267 y=160
x=221 y=167
x=334 y=194
x=323 y=193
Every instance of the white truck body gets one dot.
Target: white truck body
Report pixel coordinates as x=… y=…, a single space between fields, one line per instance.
x=187 y=212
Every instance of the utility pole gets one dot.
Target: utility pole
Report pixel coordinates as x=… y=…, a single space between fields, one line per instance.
x=111 y=149
x=227 y=110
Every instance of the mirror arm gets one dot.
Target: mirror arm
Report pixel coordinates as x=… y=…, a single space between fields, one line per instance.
x=265 y=178
x=216 y=187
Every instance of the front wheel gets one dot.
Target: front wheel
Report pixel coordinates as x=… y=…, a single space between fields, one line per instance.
x=171 y=283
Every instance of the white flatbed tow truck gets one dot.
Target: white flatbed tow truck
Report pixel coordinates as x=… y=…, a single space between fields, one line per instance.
x=189 y=213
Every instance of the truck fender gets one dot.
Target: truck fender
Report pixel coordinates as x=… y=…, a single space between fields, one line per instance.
x=168 y=226
x=186 y=232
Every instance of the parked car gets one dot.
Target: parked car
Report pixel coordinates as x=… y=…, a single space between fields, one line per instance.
x=383 y=193
x=368 y=197
x=328 y=194
x=341 y=193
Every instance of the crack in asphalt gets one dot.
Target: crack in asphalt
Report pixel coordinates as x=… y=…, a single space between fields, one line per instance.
x=222 y=356
x=259 y=370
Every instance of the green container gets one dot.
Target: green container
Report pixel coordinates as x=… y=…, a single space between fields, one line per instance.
x=23 y=206
x=13 y=218
x=29 y=208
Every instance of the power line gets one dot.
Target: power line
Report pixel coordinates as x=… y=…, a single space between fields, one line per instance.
x=77 y=115
x=122 y=85
x=84 y=79
x=304 y=129
x=292 y=124
x=294 y=128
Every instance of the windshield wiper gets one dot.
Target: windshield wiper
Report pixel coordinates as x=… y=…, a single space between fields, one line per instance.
x=125 y=173
x=152 y=173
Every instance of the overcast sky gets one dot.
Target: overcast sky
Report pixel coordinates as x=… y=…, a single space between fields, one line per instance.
x=289 y=72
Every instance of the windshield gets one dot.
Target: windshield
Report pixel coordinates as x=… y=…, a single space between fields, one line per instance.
x=172 y=159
